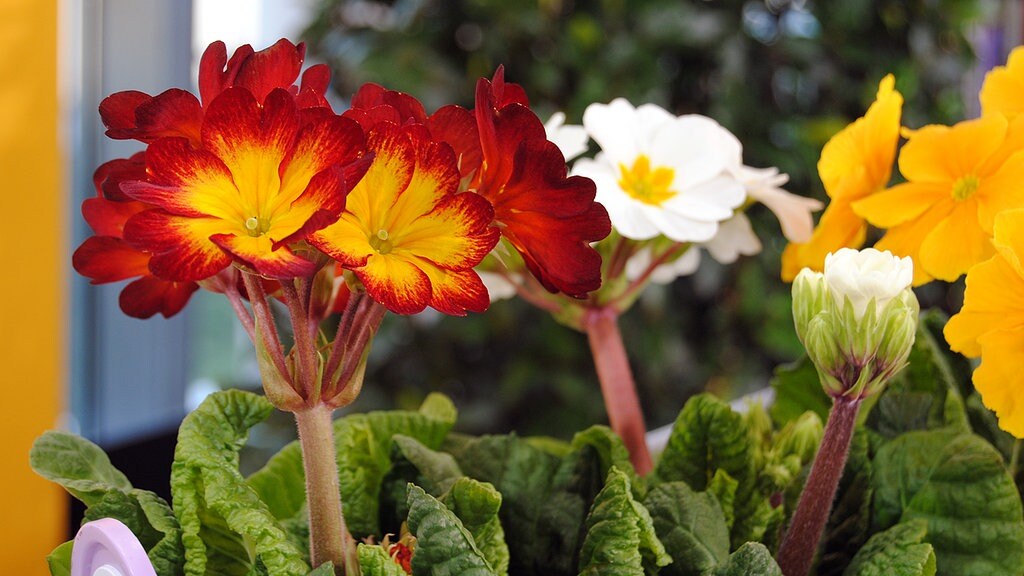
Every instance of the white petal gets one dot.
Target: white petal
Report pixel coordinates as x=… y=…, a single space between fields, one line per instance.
x=735 y=238
x=622 y=131
x=713 y=200
x=793 y=211
x=696 y=147
x=682 y=266
x=498 y=286
x=570 y=139
x=632 y=220
x=680 y=228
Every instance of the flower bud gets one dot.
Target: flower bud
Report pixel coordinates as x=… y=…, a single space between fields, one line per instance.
x=857 y=320
x=801 y=437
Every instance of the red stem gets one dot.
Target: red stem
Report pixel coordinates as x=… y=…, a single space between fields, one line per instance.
x=230 y=289
x=265 y=324
x=305 y=344
x=801 y=540
x=617 y=386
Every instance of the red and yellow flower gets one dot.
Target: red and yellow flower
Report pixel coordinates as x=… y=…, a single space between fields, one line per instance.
x=407 y=233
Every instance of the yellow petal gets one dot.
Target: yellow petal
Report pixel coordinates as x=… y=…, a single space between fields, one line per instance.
x=955 y=244
x=838 y=228
x=942 y=154
x=1003 y=190
x=906 y=240
x=1003 y=89
x=1000 y=380
x=994 y=300
x=900 y=203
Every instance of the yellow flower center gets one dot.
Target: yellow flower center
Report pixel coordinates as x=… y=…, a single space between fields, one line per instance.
x=647 y=185
x=381 y=242
x=257 y=226
x=964 y=187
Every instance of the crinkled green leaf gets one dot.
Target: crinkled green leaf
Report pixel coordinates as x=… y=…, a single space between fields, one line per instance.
x=227 y=529
x=751 y=559
x=375 y=561
x=327 y=569
x=709 y=436
x=610 y=450
x=363 y=448
x=544 y=498
x=620 y=538
x=281 y=483
x=724 y=488
x=798 y=390
x=151 y=521
x=899 y=551
x=444 y=547
x=59 y=561
x=691 y=526
x=80 y=466
x=477 y=505
x=849 y=521
x=412 y=462
x=959 y=485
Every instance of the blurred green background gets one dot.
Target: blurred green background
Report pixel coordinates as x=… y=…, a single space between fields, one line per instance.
x=782 y=75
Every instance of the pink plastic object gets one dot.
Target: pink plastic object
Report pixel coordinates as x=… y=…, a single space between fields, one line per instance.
x=106 y=547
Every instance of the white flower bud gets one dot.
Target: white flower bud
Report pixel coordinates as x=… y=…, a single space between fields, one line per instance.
x=858 y=320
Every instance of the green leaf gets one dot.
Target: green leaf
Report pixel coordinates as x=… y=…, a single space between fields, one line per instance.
x=610 y=451
x=477 y=505
x=985 y=424
x=798 y=390
x=281 y=483
x=412 y=463
x=691 y=526
x=80 y=466
x=709 y=436
x=899 y=551
x=444 y=547
x=327 y=569
x=724 y=488
x=544 y=498
x=227 y=529
x=751 y=559
x=363 y=444
x=620 y=539
x=375 y=561
x=959 y=485
x=59 y=561
x=151 y=521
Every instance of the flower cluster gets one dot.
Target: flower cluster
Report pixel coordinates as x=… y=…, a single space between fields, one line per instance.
x=955 y=212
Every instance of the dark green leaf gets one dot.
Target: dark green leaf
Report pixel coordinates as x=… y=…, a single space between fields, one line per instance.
x=691 y=526
x=751 y=559
x=477 y=505
x=797 y=390
x=899 y=551
x=327 y=569
x=959 y=485
x=444 y=547
x=375 y=561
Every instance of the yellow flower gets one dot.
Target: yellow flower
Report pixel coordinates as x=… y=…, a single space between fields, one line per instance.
x=854 y=164
x=991 y=324
x=958 y=179
x=1003 y=89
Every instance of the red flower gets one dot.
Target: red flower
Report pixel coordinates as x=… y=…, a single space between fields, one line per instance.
x=503 y=154
x=106 y=257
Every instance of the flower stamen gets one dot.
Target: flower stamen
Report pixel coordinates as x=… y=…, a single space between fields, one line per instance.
x=381 y=242
x=965 y=187
x=647 y=185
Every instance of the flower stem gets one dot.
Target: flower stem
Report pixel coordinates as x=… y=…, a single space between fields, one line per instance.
x=801 y=540
x=617 y=386
x=305 y=343
x=329 y=539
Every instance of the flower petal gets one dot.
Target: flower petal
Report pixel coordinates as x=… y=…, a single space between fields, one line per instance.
x=150 y=295
x=181 y=246
x=107 y=218
x=955 y=244
x=906 y=239
x=258 y=253
x=105 y=259
x=901 y=203
x=942 y=154
x=396 y=283
x=838 y=228
x=216 y=72
x=275 y=67
x=457 y=233
x=1000 y=380
x=1003 y=89
x=994 y=300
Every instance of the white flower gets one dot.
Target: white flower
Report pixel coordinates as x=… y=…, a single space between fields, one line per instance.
x=684 y=265
x=499 y=286
x=865 y=275
x=735 y=238
x=793 y=211
x=570 y=139
x=658 y=174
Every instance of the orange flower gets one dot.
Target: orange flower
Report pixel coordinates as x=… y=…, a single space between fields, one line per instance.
x=991 y=323
x=407 y=233
x=854 y=164
x=958 y=179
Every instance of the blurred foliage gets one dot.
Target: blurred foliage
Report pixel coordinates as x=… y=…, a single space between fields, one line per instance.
x=783 y=75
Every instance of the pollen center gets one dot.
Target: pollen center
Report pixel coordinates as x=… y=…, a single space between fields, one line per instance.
x=965 y=187
x=647 y=185
x=257 y=226
x=381 y=242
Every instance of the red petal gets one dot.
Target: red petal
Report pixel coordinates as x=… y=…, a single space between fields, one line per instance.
x=107 y=218
x=172 y=113
x=184 y=180
x=118 y=112
x=265 y=260
x=107 y=259
x=214 y=77
x=315 y=81
x=506 y=93
x=332 y=142
x=373 y=104
x=180 y=246
x=457 y=292
x=108 y=177
x=236 y=126
x=457 y=126
x=149 y=295
x=275 y=67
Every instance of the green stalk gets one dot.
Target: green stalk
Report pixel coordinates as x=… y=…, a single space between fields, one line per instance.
x=801 y=540
x=329 y=539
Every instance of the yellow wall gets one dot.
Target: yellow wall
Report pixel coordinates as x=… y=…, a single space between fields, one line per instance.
x=32 y=280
